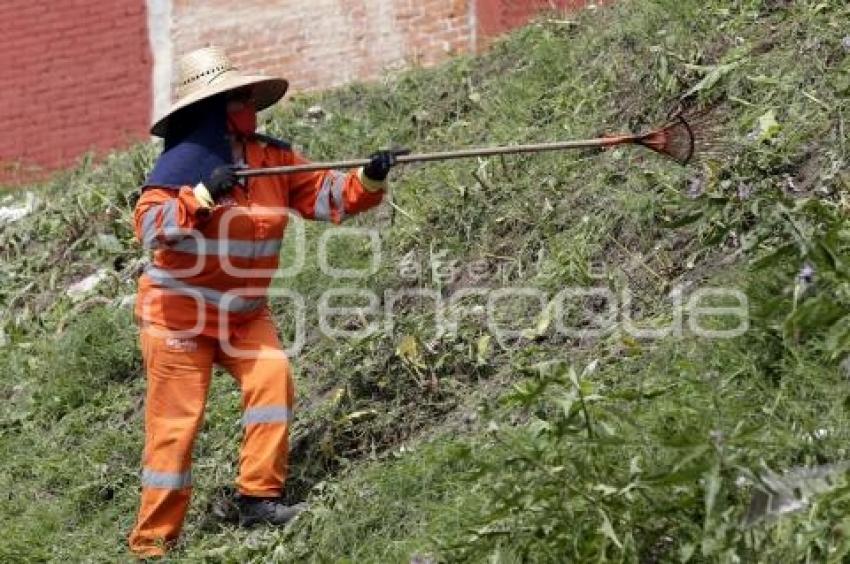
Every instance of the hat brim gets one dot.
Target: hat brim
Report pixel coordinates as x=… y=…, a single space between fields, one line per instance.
x=266 y=92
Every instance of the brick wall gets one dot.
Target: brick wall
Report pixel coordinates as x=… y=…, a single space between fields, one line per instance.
x=495 y=17
x=325 y=43
x=85 y=75
x=75 y=76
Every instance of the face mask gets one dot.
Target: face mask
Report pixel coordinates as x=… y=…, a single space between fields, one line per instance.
x=242 y=120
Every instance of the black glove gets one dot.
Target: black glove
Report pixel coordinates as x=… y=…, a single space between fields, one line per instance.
x=381 y=162
x=221 y=180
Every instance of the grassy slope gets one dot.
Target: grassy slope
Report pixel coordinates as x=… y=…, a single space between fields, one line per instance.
x=418 y=449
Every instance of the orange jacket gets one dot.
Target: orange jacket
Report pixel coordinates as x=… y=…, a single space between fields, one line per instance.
x=209 y=264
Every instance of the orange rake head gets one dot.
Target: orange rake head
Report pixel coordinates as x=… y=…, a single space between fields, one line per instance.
x=675 y=140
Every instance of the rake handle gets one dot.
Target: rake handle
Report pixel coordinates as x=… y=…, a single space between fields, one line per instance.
x=447 y=155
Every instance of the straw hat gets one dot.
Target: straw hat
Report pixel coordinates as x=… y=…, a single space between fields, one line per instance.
x=207 y=72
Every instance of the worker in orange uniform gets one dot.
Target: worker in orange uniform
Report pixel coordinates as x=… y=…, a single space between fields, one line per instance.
x=201 y=301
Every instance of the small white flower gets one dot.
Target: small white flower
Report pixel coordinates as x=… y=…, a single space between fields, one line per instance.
x=807 y=274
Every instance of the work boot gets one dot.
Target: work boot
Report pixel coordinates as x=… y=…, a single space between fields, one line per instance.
x=267 y=510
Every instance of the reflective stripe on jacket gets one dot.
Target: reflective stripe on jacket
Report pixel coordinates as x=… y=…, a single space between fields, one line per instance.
x=213 y=267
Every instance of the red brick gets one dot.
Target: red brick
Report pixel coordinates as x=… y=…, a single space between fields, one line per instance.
x=498 y=16
x=69 y=59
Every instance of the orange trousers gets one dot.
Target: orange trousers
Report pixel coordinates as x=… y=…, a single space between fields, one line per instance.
x=178 y=371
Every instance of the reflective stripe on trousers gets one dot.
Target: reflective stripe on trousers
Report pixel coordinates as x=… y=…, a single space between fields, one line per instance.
x=265 y=414
x=166 y=480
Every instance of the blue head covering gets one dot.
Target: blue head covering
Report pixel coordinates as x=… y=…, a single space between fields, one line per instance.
x=196 y=143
